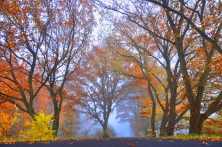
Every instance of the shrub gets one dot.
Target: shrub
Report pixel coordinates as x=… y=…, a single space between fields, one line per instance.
x=39 y=128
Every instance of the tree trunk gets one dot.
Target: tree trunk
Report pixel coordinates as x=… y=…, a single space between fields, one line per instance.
x=105 y=131
x=196 y=123
x=153 y=117
x=57 y=110
x=172 y=114
x=163 y=123
x=55 y=125
x=171 y=124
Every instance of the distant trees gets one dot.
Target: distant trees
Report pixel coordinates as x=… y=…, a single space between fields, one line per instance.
x=110 y=131
x=131 y=110
x=99 y=90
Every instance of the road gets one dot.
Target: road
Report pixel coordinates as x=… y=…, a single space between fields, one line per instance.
x=119 y=142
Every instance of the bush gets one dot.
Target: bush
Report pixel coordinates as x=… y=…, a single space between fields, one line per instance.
x=39 y=128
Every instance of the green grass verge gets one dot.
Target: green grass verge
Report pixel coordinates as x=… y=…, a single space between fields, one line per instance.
x=193 y=136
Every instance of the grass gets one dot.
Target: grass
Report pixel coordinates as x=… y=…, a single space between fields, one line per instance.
x=179 y=137
x=194 y=136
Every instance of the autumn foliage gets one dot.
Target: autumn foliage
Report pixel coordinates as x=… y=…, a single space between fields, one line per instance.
x=157 y=63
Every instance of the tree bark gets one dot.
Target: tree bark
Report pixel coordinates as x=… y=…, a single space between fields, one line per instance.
x=105 y=131
x=163 y=123
x=153 y=117
x=196 y=123
x=57 y=110
x=55 y=125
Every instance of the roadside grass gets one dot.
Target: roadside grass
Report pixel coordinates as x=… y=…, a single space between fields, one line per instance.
x=32 y=141
x=194 y=137
x=178 y=137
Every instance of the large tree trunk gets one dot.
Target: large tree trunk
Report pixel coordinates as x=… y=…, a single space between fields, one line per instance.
x=196 y=120
x=196 y=124
x=105 y=131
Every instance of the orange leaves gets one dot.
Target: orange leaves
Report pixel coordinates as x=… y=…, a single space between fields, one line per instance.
x=181 y=108
x=9 y=118
x=213 y=126
x=131 y=145
x=69 y=22
x=217 y=64
x=146 y=105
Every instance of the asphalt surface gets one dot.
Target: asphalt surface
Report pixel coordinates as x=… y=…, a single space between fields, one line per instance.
x=118 y=142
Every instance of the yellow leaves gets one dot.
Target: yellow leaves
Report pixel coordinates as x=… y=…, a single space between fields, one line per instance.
x=39 y=129
x=146 y=105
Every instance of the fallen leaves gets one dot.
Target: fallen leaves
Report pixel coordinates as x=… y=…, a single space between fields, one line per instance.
x=205 y=143
x=8 y=142
x=131 y=145
x=31 y=142
x=45 y=142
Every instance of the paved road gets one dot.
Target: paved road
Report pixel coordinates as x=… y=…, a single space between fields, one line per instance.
x=119 y=142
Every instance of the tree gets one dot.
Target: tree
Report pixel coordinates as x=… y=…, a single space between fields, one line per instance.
x=99 y=89
x=22 y=51
x=44 y=42
x=199 y=8
x=199 y=18
x=146 y=41
x=205 y=42
x=66 y=47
